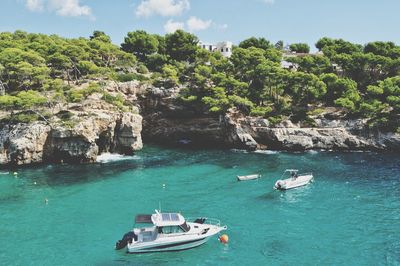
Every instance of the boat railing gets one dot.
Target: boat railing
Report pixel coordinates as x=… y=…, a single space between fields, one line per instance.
x=211 y=221
x=310 y=173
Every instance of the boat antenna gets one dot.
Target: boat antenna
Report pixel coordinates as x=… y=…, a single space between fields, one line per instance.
x=159 y=205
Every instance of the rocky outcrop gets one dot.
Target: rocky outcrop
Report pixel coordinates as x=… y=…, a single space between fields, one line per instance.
x=110 y=132
x=169 y=123
x=327 y=135
x=102 y=131
x=23 y=143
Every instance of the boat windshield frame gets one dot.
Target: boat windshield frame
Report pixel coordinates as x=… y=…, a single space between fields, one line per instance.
x=185 y=227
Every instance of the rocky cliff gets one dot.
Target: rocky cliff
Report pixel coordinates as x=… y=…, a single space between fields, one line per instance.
x=166 y=122
x=93 y=127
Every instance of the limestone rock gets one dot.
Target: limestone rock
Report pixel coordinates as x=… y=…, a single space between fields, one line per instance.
x=23 y=144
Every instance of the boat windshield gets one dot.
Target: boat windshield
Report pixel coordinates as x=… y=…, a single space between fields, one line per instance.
x=185 y=227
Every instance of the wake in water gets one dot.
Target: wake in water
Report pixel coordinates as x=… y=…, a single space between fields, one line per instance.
x=114 y=157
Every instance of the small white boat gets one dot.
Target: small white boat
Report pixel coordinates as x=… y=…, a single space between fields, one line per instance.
x=295 y=180
x=168 y=232
x=248 y=177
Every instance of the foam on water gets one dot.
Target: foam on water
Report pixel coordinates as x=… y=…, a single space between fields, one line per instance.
x=114 y=157
x=266 y=152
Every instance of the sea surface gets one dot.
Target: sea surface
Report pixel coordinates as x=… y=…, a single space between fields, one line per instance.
x=350 y=215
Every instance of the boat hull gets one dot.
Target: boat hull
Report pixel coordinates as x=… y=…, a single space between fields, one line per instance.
x=291 y=183
x=178 y=246
x=247 y=177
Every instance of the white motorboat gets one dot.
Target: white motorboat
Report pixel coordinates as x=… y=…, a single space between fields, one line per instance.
x=248 y=177
x=168 y=232
x=295 y=180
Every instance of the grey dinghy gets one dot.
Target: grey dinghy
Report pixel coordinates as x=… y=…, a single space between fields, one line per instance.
x=168 y=232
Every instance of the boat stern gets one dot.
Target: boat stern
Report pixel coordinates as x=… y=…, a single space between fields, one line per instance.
x=280 y=185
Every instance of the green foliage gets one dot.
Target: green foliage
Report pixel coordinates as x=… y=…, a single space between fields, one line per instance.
x=345 y=103
x=263 y=111
x=30 y=61
x=218 y=102
x=8 y=101
x=387 y=49
x=155 y=62
x=242 y=104
x=170 y=76
x=261 y=43
x=117 y=100
x=279 y=45
x=371 y=108
x=78 y=95
x=87 y=67
x=341 y=91
x=181 y=46
x=313 y=64
x=24 y=117
x=274 y=120
x=29 y=99
x=299 y=48
x=142 y=69
x=331 y=47
x=316 y=112
x=100 y=36
x=124 y=77
x=305 y=88
x=363 y=80
x=140 y=43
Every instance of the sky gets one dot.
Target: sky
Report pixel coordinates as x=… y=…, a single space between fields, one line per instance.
x=359 y=21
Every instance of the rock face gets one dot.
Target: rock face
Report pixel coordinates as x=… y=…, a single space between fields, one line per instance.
x=168 y=123
x=117 y=133
x=327 y=135
x=22 y=143
x=99 y=132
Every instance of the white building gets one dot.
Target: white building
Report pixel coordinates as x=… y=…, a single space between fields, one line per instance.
x=289 y=65
x=225 y=48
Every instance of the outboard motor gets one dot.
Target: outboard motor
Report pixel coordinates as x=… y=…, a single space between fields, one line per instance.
x=127 y=238
x=278 y=184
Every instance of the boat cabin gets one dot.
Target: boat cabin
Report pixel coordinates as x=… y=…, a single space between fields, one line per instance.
x=163 y=223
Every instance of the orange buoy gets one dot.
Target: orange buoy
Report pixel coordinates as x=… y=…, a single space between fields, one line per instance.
x=224 y=239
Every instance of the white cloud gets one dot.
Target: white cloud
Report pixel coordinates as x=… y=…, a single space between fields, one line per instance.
x=69 y=8
x=171 y=26
x=35 y=5
x=165 y=8
x=66 y=8
x=196 y=24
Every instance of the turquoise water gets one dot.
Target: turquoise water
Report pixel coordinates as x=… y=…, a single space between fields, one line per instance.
x=350 y=215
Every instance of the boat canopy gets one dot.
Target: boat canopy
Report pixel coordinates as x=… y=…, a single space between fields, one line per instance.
x=291 y=170
x=167 y=219
x=143 y=219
